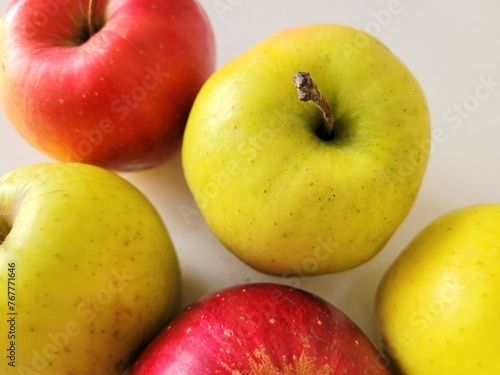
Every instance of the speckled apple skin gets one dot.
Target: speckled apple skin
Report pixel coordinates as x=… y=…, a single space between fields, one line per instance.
x=438 y=304
x=96 y=275
x=120 y=99
x=279 y=197
x=261 y=329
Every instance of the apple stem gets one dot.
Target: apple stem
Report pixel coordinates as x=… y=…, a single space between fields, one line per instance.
x=308 y=91
x=92 y=17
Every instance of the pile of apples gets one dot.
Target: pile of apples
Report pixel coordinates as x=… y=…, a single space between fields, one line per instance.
x=303 y=161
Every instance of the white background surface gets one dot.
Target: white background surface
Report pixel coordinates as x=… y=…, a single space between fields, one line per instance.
x=452 y=47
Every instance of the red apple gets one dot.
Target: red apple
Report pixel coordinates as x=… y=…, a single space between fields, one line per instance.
x=112 y=87
x=261 y=329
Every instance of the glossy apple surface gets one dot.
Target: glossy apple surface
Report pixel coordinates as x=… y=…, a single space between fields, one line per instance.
x=118 y=99
x=89 y=273
x=261 y=329
x=279 y=195
x=438 y=305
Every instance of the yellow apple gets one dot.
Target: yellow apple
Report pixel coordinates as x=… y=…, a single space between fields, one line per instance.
x=88 y=274
x=438 y=304
x=279 y=190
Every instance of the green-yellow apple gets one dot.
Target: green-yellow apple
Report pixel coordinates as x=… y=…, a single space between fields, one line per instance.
x=290 y=188
x=438 y=304
x=105 y=82
x=88 y=272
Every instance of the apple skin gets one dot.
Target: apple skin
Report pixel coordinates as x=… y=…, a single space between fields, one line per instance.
x=260 y=328
x=121 y=99
x=280 y=198
x=438 y=304
x=95 y=274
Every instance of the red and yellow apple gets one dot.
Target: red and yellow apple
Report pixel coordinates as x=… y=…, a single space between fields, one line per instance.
x=261 y=328
x=112 y=87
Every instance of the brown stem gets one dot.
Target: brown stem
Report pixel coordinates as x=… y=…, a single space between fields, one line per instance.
x=92 y=17
x=2 y=237
x=308 y=91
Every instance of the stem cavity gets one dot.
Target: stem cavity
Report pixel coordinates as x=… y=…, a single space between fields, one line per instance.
x=308 y=91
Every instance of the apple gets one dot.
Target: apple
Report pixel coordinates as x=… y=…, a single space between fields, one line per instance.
x=107 y=82
x=88 y=272
x=293 y=189
x=261 y=328
x=438 y=304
